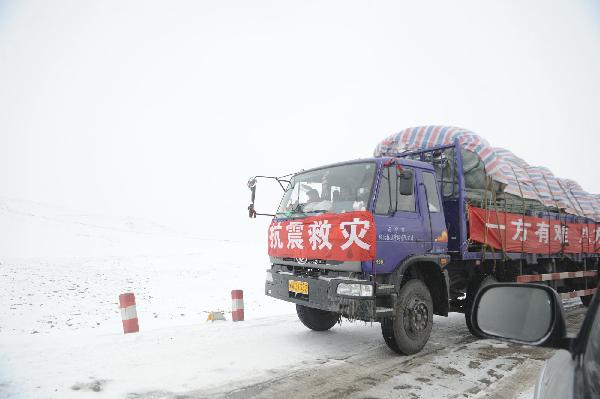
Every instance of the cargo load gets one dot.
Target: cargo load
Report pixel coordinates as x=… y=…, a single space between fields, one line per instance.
x=494 y=177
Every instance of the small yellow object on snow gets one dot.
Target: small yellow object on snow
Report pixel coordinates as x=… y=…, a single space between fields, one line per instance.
x=219 y=315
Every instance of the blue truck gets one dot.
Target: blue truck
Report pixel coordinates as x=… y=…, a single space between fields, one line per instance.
x=425 y=261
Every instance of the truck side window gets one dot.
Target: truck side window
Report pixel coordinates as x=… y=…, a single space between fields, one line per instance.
x=432 y=192
x=406 y=192
x=386 y=199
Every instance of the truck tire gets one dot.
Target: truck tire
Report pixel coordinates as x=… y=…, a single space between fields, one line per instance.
x=317 y=319
x=472 y=291
x=408 y=332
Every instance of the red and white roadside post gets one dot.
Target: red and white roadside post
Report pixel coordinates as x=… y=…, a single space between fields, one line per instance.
x=237 y=305
x=128 y=313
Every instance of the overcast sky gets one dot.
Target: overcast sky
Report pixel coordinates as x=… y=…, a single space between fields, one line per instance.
x=164 y=109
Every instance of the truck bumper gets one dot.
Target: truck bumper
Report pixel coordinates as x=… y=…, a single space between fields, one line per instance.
x=322 y=294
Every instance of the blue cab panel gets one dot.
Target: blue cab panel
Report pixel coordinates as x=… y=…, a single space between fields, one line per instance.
x=408 y=213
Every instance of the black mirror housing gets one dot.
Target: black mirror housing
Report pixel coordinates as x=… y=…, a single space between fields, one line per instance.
x=529 y=314
x=405 y=182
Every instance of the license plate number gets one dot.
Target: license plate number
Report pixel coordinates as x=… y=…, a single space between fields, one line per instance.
x=298 y=287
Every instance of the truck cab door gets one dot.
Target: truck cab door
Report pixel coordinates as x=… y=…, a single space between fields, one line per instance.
x=433 y=216
x=399 y=225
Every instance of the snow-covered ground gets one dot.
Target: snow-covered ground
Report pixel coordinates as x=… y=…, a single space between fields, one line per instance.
x=64 y=271
x=46 y=296
x=61 y=334
x=61 y=273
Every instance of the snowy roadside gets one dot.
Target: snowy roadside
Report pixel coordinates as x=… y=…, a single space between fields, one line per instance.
x=62 y=325
x=60 y=314
x=75 y=294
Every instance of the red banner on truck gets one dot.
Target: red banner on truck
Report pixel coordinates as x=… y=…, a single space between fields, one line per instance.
x=517 y=233
x=346 y=236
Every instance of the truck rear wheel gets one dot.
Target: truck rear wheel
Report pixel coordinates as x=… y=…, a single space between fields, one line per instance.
x=408 y=332
x=472 y=291
x=317 y=319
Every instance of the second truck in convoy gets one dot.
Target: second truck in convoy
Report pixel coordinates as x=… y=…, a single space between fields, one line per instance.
x=418 y=229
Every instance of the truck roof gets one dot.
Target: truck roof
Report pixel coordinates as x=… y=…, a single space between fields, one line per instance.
x=378 y=160
x=409 y=162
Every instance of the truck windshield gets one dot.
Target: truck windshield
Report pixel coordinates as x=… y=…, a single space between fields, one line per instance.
x=336 y=189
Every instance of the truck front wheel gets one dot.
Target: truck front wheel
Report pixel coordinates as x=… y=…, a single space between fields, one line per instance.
x=408 y=332
x=317 y=319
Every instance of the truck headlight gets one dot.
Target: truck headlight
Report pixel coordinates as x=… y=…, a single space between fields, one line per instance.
x=355 y=289
x=269 y=276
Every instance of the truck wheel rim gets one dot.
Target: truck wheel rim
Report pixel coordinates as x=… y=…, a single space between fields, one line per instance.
x=416 y=317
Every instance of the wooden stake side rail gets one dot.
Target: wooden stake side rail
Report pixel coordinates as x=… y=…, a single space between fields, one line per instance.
x=575 y=294
x=529 y=278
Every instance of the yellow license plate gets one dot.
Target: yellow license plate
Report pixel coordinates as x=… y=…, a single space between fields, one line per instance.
x=298 y=287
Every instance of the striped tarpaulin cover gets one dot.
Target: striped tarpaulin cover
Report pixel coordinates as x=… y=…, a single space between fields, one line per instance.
x=520 y=178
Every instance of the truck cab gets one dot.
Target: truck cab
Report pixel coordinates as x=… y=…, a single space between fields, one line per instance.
x=364 y=239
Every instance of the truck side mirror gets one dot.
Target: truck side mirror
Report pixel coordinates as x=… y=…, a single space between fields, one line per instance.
x=405 y=182
x=252 y=187
x=522 y=313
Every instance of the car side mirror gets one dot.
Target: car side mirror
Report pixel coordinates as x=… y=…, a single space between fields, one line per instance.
x=522 y=313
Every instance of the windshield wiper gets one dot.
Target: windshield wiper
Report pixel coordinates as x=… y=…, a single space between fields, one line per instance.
x=316 y=210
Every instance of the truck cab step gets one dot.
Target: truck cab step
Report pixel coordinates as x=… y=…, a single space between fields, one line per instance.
x=384 y=312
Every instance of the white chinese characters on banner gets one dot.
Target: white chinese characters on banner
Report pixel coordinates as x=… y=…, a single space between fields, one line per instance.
x=561 y=233
x=543 y=232
x=294 y=230
x=318 y=234
x=585 y=235
x=521 y=230
x=353 y=237
x=531 y=234
x=274 y=238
